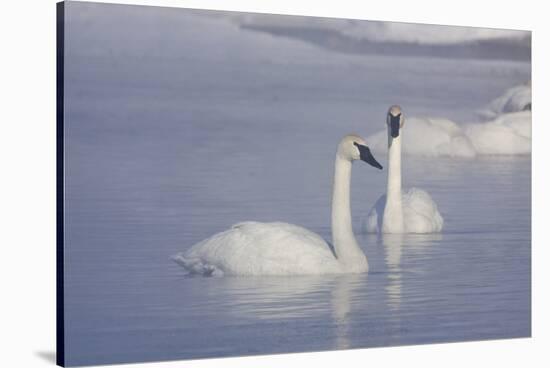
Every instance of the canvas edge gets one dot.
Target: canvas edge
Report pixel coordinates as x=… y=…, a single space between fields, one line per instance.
x=60 y=255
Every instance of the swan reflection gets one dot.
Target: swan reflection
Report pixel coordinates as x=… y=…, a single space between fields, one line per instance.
x=333 y=298
x=393 y=247
x=399 y=247
x=344 y=295
x=413 y=245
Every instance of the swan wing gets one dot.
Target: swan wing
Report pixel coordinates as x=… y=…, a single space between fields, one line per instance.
x=256 y=248
x=420 y=212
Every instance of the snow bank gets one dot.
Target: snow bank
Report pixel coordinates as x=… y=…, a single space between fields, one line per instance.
x=376 y=31
x=426 y=33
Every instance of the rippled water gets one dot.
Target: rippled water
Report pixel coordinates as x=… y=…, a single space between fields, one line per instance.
x=166 y=149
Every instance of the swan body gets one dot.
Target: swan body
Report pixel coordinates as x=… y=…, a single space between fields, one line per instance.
x=278 y=248
x=412 y=211
x=420 y=213
x=256 y=248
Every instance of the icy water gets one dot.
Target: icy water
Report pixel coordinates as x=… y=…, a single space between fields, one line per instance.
x=195 y=125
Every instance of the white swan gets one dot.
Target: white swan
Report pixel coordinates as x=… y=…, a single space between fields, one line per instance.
x=413 y=211
x=276 y=248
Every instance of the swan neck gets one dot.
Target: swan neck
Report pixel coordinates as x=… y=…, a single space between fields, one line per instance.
x=394 y=169
x=345 y=246
x=393 y=221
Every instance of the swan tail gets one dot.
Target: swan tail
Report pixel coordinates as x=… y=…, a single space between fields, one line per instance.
x=196 y=266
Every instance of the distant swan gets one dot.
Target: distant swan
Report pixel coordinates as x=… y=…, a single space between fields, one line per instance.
x=413 y=211
x=276 y=248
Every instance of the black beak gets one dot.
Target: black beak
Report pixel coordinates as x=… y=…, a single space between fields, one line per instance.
x=395 y=122
x=365 y=155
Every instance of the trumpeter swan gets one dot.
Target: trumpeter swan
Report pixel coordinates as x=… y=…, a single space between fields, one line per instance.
x=412 y=211
x=277 y=248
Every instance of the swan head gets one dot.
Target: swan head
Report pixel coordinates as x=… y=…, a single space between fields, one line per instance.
x=352 y=147
x=395 y=121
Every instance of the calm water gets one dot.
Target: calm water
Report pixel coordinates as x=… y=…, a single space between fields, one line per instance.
x=170 y=140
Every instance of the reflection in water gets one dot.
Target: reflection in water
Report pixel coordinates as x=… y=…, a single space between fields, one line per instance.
x=329 y=297
x=343 y=294
x=273 y=298
x=394 y=247
x=393 y=244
